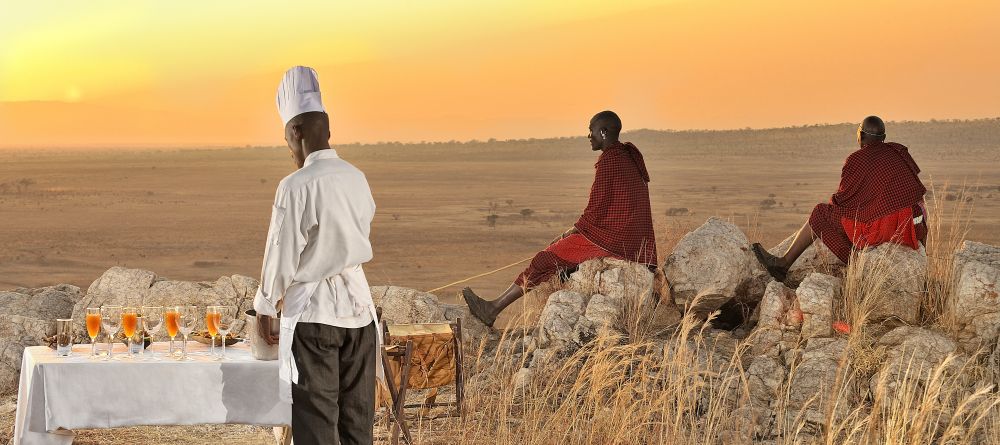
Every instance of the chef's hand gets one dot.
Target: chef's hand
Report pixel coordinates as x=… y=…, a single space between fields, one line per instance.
x=264 y=323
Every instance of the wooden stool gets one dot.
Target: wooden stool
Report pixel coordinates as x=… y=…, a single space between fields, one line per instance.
x=421 y=356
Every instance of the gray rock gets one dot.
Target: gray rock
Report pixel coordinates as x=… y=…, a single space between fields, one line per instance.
x=816 y=296
x=16 y=333
x=765 y=379
x=47 y=303
x=912 y=353
x=136 y=287
x=558 y=320
x=817 y=258
x=901 y=276
x=775 y=326
x=977 y=297
x=812 y=388
x=712 y=265
x=474 y=332
x=401 y=305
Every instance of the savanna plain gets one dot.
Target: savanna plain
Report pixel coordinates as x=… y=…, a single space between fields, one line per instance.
x=446 y=211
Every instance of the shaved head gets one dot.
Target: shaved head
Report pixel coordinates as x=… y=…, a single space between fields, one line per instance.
x=872 y=129
x=604 y=129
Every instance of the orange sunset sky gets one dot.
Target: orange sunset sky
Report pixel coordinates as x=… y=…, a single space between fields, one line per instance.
x=180 y=73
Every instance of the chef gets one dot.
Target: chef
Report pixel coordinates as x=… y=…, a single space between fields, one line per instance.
x=312 y=274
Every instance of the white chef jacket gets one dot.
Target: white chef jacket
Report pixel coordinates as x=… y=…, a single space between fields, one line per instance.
x=316 y=244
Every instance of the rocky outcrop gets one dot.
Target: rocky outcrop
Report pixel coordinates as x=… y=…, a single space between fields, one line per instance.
x=779 y=322
x=817 y=258
x=811 y=388
x=912 y=353
x=46 y=303
x=712 y=265
x=901 y=274
x=977 y=298
x=137 y=287
x=816 y=296
x=27 y=316
x=401 y=305
x=603 y=294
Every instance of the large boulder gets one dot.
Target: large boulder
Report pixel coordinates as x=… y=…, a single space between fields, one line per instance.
x=977 y=301
x=46 y=303
x=16 y=333
x=137 y=287
x=402 y=305
x=816 y=296
x=474 y=332
x=712 y=265
x=912 y=353
x=901 y=276
x=27 y=317
x=817 y=258
x=557 y=325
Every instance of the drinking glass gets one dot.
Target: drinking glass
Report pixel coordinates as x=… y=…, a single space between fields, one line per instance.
x=130 y=323
x=170 y=318
x=211 y=318
x=224 y=323
x=111 y=321
x=64 y=336
x=93 y=328
x=186 y=321
x=152 y=320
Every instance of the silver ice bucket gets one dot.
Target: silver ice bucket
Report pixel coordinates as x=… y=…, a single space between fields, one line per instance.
x=258 y=346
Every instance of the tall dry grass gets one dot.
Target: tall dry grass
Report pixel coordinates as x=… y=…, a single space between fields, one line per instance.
x=634 y=386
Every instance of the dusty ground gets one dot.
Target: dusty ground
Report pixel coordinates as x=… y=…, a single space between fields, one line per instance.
x=198 y=214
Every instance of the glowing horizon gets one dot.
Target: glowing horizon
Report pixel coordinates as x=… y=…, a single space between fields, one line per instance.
x=184 y=73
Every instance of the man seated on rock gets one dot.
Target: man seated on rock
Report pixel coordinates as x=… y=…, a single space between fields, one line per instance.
x=880 y=200
x=616 y=223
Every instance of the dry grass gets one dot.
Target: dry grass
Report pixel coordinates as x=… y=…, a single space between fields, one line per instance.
x=642 y=389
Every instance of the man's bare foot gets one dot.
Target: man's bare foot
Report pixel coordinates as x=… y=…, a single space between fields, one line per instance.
x=770 y=262
x=480 y=308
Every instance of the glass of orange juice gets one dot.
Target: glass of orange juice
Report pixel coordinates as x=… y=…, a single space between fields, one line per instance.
x=93 y=328
x=130 y=324
x=211 y=323
x=170 y=317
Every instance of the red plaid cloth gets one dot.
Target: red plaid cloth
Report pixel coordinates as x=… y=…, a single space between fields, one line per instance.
x=877 y=181
x=564 y=254
x=618 y=216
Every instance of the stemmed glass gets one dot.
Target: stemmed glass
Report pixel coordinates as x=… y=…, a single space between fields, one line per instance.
x=170 y=318
x=188 y=317
x=111 y=321
x=224 y=324
x=211 y=319
x=93 y=328
x=130 y=323
x=152 y=319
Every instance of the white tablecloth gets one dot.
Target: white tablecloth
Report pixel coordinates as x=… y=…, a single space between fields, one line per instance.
x=57 y=394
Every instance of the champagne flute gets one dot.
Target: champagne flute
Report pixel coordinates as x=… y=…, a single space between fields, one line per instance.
x=111 y=321
x=170 y=318
x=130 y=323
x=224 y=323
x=152 y=319
x=188 y=317
x=93 y=328
x=211 y=319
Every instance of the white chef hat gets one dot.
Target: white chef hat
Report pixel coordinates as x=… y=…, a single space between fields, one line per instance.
x=298 y=93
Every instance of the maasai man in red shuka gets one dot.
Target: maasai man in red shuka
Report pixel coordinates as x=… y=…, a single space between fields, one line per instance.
x=617 y=222
x=880 y=200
